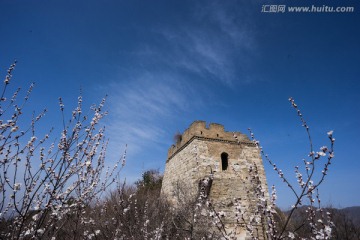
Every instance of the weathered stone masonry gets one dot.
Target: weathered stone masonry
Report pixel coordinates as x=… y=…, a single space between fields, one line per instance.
x=202 y=150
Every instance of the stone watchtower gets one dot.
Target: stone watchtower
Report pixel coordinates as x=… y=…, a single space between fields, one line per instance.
x=202 y=151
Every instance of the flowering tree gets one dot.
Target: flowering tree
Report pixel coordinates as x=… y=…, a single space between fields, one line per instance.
x=317 y=222
x=43 y=184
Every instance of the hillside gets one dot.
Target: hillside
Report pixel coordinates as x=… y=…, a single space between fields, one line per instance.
x=352 y=213
x=346 y=222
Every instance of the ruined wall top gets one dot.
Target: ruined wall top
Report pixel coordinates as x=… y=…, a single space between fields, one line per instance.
x=199 y=130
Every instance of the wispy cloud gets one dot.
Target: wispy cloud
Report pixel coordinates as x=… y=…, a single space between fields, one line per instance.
x=140 y=107
x=171 y=75
x=211 y=45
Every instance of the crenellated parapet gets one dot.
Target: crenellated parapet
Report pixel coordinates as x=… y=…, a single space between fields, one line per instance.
x=212 y=132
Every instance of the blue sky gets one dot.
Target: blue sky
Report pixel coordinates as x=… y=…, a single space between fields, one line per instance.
x=165 y=64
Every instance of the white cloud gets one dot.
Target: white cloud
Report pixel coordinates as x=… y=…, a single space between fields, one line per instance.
x=170 y=78
x=141 y=107
x=211 y=46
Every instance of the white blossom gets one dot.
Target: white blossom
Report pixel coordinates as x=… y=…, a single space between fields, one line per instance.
x=17 y=186
x=321 y=154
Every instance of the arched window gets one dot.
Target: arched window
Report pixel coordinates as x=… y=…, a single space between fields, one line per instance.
x=224 y=161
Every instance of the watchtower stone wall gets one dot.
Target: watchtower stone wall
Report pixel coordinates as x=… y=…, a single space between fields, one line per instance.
x=203 y=150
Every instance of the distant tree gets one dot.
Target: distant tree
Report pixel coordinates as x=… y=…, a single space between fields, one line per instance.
x=177 y=137
x=151 y=180
x=345 y=228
